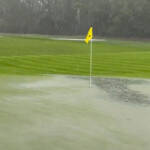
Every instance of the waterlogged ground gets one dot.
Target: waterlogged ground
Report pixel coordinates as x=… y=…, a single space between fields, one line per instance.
x=63 y=113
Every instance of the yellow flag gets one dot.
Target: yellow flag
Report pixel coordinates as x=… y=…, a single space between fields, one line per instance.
x=89 y=35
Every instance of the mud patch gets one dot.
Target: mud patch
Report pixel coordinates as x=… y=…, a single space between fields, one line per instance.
x=142 y=88
x=125 y=90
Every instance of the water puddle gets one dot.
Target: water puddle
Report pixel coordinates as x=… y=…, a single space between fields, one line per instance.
x=62 y=112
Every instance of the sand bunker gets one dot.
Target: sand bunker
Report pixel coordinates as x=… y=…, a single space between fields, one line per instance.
x=62 y=112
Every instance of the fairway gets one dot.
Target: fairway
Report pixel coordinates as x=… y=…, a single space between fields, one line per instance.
x=36 y=55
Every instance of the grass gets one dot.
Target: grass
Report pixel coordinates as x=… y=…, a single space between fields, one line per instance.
x=35 y=55
x=58 y=112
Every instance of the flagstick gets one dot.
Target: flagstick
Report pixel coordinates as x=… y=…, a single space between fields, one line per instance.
x=91 y=61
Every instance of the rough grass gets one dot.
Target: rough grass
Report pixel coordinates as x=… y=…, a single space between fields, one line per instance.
x=38 y=55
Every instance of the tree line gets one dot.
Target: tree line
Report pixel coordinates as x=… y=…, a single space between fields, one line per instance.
x=112 y=18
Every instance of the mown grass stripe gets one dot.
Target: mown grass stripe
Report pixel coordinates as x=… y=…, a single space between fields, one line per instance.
x=41 y=56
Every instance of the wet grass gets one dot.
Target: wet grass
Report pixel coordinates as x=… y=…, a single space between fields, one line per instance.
x=34 y=55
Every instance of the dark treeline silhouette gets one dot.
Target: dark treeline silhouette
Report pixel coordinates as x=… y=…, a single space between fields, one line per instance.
x=115 y=18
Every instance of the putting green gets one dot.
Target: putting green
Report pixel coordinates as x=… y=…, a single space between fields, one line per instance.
x=61 y=112
x=33 y=55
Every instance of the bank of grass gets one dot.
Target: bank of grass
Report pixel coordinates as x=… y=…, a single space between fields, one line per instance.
x=36 y=55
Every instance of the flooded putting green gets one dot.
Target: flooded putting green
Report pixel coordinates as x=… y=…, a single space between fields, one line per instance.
x=63 y=113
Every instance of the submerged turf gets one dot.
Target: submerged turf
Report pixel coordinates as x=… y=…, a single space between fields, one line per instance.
x=38 y=55
x=63 y=113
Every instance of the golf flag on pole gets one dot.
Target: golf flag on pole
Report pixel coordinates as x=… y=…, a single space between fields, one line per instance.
x=88 y=38
x=89 y=35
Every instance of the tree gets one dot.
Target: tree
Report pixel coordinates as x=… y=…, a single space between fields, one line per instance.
x=73 y=17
